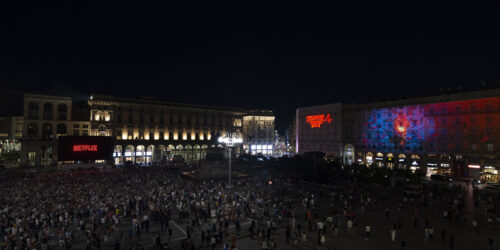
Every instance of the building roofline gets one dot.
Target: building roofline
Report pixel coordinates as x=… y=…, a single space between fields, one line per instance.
x=65 y=98
x=152 y=101
x=431 y=98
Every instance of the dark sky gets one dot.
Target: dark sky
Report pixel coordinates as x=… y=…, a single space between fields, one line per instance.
x=273 y=58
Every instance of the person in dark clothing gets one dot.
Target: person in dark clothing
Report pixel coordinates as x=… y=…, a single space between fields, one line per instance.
x=491 y=242
x=117 y=244
x=451 y=242
x=158 y=242
x=443 y=235
x=287 y=235
x=403 y=245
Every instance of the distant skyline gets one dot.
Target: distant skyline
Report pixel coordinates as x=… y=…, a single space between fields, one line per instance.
x=268 y=58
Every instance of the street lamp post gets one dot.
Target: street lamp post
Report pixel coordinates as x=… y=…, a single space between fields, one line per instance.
x=230 y=140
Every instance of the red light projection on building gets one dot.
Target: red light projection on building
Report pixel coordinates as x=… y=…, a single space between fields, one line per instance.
x=317 y=120
x=84 y=148
x=401 y=125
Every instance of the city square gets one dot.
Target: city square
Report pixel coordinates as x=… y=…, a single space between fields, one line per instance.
x=161 y=126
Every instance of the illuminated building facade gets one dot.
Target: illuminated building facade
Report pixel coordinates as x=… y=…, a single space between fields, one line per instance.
x=318 y=128
x=456 y=134
x=148 y=131
x=258 y=128
x=11 y=129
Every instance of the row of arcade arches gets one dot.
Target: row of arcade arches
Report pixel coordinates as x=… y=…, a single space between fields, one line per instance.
x=142 y=154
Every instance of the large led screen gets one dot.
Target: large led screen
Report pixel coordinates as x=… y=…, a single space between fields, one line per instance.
x=81 y=148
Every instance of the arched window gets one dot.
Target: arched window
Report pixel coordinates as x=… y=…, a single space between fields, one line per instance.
x=61 y=129
x=33 y=130
x=48 y=111
x=33 y=111
x=102 y=130
x=62 y=112
x=98 y=116
x=47 y=132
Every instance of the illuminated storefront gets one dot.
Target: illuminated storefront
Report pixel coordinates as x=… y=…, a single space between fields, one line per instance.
x=414 y=163
x=490 y=174
x=402 y=161
x=348 y=155
x=359 y=158
x=390 y=160
x=379 y=159
x=445 y=165
x=432 y=165
x=261 y=149
x=369 y=159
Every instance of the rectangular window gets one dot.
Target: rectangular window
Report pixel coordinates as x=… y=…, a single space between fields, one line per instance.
x=85 y=132
x=85 y=126
x=76 y=132
x=76 y=125
x=489 y=147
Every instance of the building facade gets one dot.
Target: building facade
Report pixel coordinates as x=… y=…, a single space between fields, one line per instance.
x=455 y=134
x=45 y=119
x=318 y=128
x=147 y=130
x=11 y=129
x=259 y=133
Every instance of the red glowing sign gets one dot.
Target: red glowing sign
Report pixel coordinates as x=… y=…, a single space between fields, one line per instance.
x=317 y=120
x=84 y=148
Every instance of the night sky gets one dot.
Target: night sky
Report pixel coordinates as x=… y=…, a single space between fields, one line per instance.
x=272 y=58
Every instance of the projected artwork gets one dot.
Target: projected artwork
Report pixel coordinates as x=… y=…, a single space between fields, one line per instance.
x=431 y=127
x=395 y=127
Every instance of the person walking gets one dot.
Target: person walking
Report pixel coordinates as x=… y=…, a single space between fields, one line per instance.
x=393 y=235
x=367 y=231
x=349 y=226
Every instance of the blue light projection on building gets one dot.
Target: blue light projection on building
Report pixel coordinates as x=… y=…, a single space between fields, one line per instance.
x=397 y=128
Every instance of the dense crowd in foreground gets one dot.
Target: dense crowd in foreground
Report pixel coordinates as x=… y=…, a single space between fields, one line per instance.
x=115 y=210
x=43 y=211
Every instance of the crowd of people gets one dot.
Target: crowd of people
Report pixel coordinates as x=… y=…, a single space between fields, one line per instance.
x=117 y=209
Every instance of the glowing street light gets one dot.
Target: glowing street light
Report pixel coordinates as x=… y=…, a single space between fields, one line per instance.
x=230 y=140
